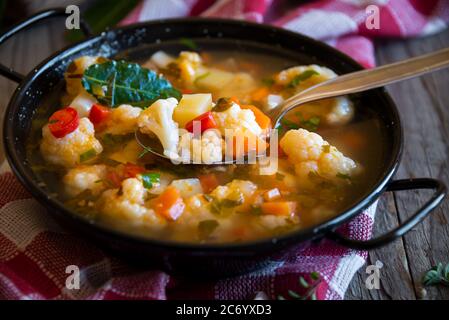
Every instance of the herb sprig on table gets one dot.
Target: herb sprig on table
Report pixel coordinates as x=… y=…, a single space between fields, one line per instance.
x=438 y=275
x=310 y=288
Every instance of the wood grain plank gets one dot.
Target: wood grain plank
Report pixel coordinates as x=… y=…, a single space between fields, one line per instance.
x=423 y=105
x=395 y=282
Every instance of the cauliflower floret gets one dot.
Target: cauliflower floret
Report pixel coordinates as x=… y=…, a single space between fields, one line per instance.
x=208 y=149
x=332 y=111
x=311 y=155
x=234 y=190
x=66 y=151
x=158 y=119
x=188 y=63
x=128 y=203
x=122 y=120
x=237 y=119
x=84 y=178
x=273 y=222
x=285 y=77
x=211 y=147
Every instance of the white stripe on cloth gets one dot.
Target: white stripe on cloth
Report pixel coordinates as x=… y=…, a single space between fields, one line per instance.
x=157 y=9
x=22 y=220
x=346 y=269
x=321 y=24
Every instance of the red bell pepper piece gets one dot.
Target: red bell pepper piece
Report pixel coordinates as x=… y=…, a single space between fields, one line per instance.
x=131 y=170
x=206 y=121
x=63 y=122
x=98 y=114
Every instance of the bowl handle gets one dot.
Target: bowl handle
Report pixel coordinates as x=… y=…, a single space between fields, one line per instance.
x=423 y=212
x=51 y=13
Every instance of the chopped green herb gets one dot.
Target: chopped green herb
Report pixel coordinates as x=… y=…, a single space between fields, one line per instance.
x=310 y=124
x=268 y=82
x=88 y=155
x=222 y=104
x=326 y=148
x=189 y=43
x=215 y=207
x=233 y=200
x=302 y=77
x=150 y=178
x=53 y=121
x=208 y=198
x=343 y=176
x=206 y=228
x=112 y=140
x=257 y=211
x=99 y=181
x=204 y=75
x=144 y=152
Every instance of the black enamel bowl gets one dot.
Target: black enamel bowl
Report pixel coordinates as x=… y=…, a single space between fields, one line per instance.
x=217 y=259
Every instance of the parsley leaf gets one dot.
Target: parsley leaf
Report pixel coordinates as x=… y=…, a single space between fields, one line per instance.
x=88 y=155
x=149 y=179
x=302 y=77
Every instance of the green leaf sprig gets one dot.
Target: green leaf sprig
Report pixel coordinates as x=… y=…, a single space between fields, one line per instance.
x=310 y=287
x=302 y=77
x=120 y=82
x=438 y=275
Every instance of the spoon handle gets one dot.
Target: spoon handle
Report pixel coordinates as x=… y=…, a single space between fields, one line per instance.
x=366 y=79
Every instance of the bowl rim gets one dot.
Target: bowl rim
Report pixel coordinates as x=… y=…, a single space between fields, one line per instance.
x=294 y=237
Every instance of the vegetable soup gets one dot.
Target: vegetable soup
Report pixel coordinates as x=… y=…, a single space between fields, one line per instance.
x=85 y=150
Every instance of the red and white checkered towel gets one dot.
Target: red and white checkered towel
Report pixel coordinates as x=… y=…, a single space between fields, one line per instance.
x=341 y=23
x=35 y=252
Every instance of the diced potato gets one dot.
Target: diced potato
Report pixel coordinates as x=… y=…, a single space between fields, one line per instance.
x=188 y=187
x=214 y=79
x=129 y=154
x=192 y=106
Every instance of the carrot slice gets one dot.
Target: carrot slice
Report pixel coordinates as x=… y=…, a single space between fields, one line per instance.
x=169 y=204
x=259 y=94
x=248 y=143
x=280 y=208
x=235 y=100
x=261 y=118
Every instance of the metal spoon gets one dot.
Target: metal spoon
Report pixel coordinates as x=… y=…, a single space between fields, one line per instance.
x=364 y=80
x=346 y=84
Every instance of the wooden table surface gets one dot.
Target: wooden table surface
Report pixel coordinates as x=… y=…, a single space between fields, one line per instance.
x=424 y=107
